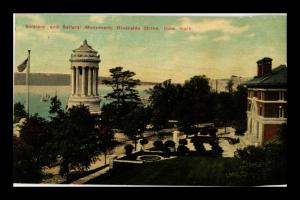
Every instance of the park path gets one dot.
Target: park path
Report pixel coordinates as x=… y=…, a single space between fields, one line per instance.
x=119 y=151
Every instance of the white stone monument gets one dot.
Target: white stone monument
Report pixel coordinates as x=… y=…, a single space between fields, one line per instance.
x=84 y=78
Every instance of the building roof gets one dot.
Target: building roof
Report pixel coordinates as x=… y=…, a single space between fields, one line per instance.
x=277 y=78
x=85 y=48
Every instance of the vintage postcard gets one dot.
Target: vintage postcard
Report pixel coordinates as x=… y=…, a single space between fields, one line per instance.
x=150 y=99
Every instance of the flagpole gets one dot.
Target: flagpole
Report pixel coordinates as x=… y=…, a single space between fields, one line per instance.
x=28 y=83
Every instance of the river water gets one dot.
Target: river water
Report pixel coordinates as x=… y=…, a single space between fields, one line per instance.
x=63 y=92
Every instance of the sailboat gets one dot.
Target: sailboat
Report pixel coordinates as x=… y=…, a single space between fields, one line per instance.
x=45 y=98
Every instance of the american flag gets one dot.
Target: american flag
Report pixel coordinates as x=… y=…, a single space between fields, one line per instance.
x=23 y=65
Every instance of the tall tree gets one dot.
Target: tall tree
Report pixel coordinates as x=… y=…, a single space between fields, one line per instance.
x=35 y=132
x=240 y=104
x=134 y=123
x=240 y=98
x=123 y=86
x=106 y=137
x=224 y=108
x=124 y=95
x=26 y=168
x=194 y=103
x=77 y=140
x=163 y=102
x=55 y=106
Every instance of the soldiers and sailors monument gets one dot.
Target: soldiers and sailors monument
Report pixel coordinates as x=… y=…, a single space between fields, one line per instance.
x=84 y=78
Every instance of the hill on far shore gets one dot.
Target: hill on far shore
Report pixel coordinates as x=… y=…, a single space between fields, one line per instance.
x=53 y=79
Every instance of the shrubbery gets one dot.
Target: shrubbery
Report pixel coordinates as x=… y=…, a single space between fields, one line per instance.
x=144 y=141
x=199 y=147
x=216 y=150
x=128 y=149
x=158 y=144
x=182 y=150
x=169 y=143
x=260 y=166
x=183 y=142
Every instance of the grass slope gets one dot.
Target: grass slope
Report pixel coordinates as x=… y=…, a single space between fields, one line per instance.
x=178 y=171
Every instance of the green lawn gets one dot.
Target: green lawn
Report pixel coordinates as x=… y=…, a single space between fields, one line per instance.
x=178 y=171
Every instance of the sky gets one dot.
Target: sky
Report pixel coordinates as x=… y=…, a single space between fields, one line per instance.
x=215 y=46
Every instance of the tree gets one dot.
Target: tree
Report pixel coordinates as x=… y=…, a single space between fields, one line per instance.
x=194 y=105
x=19 y=112
x=158 y=144
x=163 y=102
x=216 y=150
x=143 y=142
x=35 y=132
x=240 y=104
x=55 y=106
x=199 y=147
x=182 y=150
x=225 y=109
x=26 y=168
x=76 y=139
x=170 y=143
x=134 y=123
x=124 y=96
x=240 y=100
x=105 y=140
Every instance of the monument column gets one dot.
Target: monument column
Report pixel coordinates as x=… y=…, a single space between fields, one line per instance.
x=72 y=80
x=77 y=80
x=97 y=81
x=89 y=81
x=83 y=82
x=94 y=81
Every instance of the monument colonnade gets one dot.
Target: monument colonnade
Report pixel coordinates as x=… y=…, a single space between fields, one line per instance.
x=79 y=77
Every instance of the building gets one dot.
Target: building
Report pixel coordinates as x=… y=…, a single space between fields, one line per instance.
x=220 y=85
x=267 y=102
x=84 y=78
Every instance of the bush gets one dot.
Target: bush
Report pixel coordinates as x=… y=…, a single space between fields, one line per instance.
x=158 y=144
x=199 y=147
x=216 y=150
x=128 y=149
x=183 y=142
x=265 y=165
x=182 y=150
x=144 y=141
x=169 y=143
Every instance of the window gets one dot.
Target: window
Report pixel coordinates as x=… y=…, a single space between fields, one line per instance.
x=260 y=110
x=280 y=112
x=281 y=95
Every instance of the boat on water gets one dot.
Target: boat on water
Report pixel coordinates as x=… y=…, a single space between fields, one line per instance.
x=45 y=98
